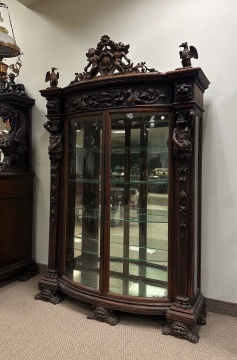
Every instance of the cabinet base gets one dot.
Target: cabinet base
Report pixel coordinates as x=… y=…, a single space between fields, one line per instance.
x=49 y=288
x=182 y=316
x=49 y=295
x=181 y=330
x=104 y=315
x=28 y=273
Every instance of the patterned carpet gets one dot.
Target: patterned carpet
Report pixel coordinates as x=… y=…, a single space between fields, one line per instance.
x=36 y=330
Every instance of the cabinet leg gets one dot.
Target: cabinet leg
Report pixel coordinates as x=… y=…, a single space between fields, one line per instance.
x=49 y=296
x=181 y=330
x=104 y=315
x=28 y=273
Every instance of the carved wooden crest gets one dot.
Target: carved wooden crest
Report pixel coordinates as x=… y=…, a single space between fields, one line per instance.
x=109 y=57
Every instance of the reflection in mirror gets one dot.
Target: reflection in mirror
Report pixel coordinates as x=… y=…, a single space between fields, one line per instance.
x=84 y=201
x=5 y=127
x=139 y=205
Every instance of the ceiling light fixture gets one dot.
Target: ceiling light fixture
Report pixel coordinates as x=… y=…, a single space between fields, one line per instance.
x=8 y=48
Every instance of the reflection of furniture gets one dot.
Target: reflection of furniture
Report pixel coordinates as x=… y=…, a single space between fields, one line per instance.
x=16 y=187
x=149 y=262
x=117 y=202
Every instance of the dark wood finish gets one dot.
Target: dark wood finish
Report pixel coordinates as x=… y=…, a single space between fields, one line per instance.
x=16 y=185
x=180 y=93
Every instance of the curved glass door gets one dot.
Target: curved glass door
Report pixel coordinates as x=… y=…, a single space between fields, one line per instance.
x=139 y=204
x=84 y=201
x=124 y=206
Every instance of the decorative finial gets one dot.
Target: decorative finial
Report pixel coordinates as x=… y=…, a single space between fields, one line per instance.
x=187 y=53
x=52 y=77
x=109 y=57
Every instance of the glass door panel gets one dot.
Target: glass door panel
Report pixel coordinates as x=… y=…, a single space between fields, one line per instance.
x=84 y=200
x=139 y=204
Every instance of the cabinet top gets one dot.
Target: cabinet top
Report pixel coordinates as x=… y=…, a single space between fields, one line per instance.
x=108 y=63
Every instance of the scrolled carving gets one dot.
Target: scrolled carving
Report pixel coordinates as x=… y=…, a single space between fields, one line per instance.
x=107 y=58
x=182 y=173
x=183 y=146
x=114 y=98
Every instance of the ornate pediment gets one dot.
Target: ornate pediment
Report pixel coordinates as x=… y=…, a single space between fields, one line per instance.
x=109 y=57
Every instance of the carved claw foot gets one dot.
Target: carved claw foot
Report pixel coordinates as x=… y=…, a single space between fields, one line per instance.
x=181 y=330
x=28 y=273
x=49 y=296
x=104 y=315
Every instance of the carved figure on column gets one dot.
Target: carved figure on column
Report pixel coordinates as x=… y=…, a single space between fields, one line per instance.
x=182 y=135
x=55 y=149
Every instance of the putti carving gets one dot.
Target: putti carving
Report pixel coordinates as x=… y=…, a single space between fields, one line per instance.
x=183 y=92
x=107 y=58
x=183 y=145
x=13 y=143
x=105 y=99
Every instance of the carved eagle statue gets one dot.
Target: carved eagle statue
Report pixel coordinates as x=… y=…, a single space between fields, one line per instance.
x=52 y=77
x=187 y=53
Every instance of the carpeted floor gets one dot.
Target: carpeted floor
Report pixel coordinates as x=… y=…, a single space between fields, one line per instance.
x=36 y=330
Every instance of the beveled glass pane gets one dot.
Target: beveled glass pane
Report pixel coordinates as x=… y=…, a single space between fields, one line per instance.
x=84 y=201
x=139 y=204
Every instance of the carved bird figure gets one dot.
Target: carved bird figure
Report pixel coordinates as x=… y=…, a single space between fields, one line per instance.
x=187 y=53
x=52 y=77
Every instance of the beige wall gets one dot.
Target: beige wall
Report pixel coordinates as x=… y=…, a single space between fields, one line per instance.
x=59 y=32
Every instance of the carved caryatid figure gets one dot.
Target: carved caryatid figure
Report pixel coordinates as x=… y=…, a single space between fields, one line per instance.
x=55 y=148
x=182 y=135
x=187 y=54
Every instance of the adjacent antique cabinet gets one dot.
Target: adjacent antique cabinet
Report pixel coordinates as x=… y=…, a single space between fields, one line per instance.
x=125 y=204
x=16 y=182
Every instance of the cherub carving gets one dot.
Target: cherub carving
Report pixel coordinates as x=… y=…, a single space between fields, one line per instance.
x=93 y=61
x=120 y=52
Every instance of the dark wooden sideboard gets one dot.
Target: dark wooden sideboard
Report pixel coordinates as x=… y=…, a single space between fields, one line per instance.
x=16 y=184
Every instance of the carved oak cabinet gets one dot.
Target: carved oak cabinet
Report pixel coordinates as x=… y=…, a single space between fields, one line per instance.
x=125 y=203
x=16 y=182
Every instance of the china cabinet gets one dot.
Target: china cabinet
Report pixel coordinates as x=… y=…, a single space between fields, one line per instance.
x=125 y=150
x=16 y=181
